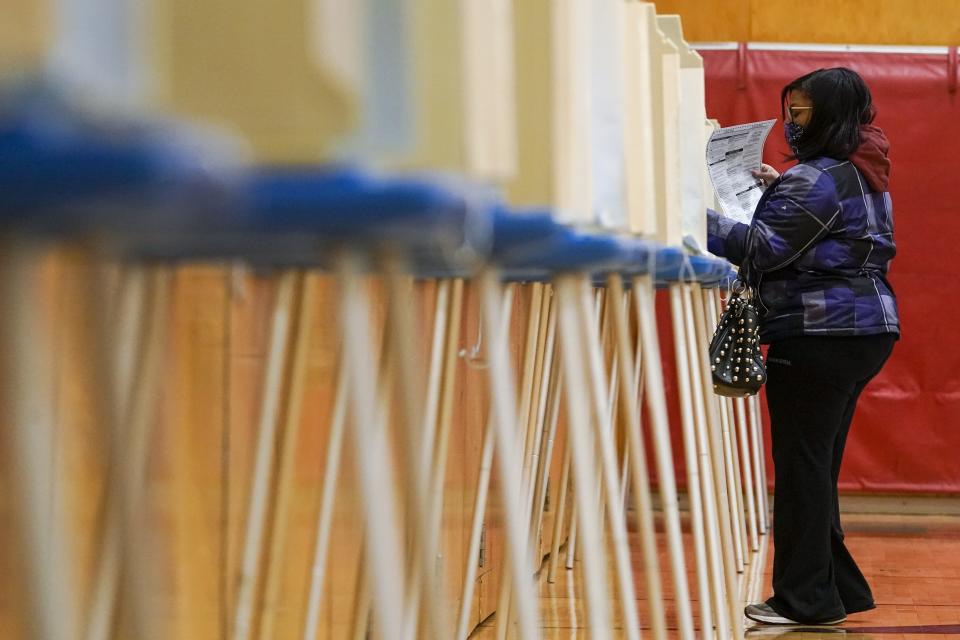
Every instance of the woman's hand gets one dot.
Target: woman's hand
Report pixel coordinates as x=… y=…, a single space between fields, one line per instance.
x=766 y=174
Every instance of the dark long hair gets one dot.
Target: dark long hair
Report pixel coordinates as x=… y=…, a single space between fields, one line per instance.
x=841 y=104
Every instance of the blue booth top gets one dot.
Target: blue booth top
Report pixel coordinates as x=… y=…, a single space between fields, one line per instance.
x=158 y=194
x=64 y=171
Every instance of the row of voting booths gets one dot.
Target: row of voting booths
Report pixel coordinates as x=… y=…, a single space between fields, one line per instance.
x=334 y=319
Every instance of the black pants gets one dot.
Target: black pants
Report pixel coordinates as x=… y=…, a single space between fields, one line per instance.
x=813 y=384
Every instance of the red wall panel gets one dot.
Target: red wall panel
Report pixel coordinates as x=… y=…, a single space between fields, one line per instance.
x=906 y=433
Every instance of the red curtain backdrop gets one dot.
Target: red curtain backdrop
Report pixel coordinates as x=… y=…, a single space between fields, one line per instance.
x=906 y=433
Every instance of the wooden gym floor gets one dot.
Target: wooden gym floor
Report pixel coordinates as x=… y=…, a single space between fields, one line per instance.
x=911 y=561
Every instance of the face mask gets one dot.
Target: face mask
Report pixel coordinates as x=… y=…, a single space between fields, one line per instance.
x=793 y=134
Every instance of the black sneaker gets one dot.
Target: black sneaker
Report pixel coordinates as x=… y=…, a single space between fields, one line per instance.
x=765 y=614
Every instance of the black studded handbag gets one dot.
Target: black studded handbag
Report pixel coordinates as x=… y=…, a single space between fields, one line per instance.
x=735 y=359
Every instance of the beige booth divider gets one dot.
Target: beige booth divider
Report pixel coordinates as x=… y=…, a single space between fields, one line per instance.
x=293 y=100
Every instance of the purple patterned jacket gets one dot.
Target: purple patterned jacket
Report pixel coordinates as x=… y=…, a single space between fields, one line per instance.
x=817 y=252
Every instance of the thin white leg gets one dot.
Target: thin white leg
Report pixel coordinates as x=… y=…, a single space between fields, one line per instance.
x=435 y=375
x=331 y=473
x=139 y=571
x=533 y=394
x=545 y=388
x=733 y=503
x=476 y=532
x=548 y=417
x=130 y=368
x=29 y=434
x=505 y=420
x=447 y=397
x=422 y=574
x=264 y=457
x=759 y=461
x=624 y=478
x=442 y=448
x=698 y=502
x=558 y=519
x=718 y=409
x=372 y=457
x=719 y=541
x=572 y=536
x=525 y=393
x=360 y=623
x=553 y=420
x=745 y=456
x=425 y=473
x=740 y=502
x=712 y=454
x=636 y=456
x=608 y=463
x=480 y=501
x=525 y=427
x=741 y=410
x=583 y=456
x=648 y=352
x=285 y=474
x=129 y=311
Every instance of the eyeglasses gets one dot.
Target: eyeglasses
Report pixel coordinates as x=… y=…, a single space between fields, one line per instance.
x=793 y=111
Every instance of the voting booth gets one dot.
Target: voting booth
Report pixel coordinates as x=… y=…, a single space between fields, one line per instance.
x=360 y=301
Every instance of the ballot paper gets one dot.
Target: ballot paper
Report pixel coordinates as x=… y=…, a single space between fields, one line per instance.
x=732 y=154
